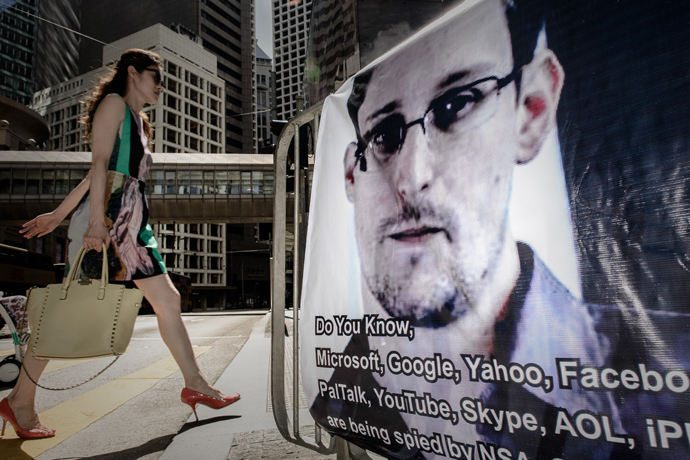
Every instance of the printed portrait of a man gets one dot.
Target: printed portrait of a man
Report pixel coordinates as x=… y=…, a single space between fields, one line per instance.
x=440 y=126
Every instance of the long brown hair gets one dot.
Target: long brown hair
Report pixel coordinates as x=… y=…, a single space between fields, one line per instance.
x=116 y=82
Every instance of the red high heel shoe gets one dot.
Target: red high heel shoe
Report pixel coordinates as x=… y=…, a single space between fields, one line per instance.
x=193 y=398
x=8 y=416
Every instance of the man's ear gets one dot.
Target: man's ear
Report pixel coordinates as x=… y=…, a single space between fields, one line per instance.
x=540 y=91
x=350 y=161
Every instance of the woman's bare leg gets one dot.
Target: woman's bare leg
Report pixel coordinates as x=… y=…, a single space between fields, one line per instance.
x=21 y=399
x=165 y=300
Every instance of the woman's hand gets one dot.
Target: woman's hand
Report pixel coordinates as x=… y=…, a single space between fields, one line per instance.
x=95 y=236
x=41 y=225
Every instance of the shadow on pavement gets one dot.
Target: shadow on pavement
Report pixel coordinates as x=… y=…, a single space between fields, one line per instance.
x=12 y=449
x=154 y=445
x=208 y=421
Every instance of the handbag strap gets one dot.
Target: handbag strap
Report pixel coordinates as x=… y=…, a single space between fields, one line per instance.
x=73 y=386
x=76 y=268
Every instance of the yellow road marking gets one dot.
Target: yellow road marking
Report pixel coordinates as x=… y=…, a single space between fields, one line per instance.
x=74 y=415
x=55 y=365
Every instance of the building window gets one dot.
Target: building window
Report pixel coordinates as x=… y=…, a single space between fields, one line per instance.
x=268 y=183
x=257 y=182
x=171 y=101
x=194 y=95
x=170 y=135
x=170 y=185
x=62 y=182
x=172 y=86
x=209 y=182
x=170 y=260
x=171 y=118
x=48 y=185
x=156 y=181
x=190 y=78
x=195 y=181
x=246 y=186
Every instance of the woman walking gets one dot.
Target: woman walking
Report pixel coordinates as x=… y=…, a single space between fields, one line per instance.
x=115 y=213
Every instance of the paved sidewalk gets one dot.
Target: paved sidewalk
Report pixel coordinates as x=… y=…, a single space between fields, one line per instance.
x=245 y=430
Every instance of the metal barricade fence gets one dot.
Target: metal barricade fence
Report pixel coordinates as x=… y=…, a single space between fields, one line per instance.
x=289 y=427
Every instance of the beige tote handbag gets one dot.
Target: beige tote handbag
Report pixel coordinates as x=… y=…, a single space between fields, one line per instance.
x=82 y=318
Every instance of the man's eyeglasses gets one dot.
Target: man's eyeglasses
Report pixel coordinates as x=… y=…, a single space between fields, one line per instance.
x=156 y=75
x=454 y=112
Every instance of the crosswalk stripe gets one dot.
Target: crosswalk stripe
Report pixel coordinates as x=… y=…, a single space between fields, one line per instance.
x=74 y=415
x=55 y=365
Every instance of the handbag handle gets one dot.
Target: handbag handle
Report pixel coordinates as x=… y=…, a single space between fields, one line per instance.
x=76 y=268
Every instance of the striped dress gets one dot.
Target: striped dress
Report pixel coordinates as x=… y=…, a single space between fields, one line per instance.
x=133 y=252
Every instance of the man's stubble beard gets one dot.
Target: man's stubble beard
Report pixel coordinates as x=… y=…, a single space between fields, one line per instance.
x=455 y=288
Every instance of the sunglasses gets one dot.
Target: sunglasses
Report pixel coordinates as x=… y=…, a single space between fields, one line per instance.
x=156 y=75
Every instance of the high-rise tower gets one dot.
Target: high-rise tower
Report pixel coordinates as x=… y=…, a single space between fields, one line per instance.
x=264 y=100
x=56 y=50
x=16 y=49
x=290 y=27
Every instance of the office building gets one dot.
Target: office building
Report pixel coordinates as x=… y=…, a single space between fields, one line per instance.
x=347 y=35
x=226 y=29
x=264 y=101
x=56 y=51
x=333 y=50
x=16 y=49
x=188 y=117
x=290 y=28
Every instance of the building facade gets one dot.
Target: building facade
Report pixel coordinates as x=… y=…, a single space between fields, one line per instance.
x=197 y=251
x=226 y=29
x=290 y=29
x=188 y=117
x=347 y=35
x=332 y=49
x=56 y=50
x=16 y=49
x=264 y=101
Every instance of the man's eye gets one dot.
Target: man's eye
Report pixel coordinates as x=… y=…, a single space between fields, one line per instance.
x=455 y=106
x=385 y=140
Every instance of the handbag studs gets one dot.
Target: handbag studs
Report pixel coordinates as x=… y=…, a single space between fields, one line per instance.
x=118 y=312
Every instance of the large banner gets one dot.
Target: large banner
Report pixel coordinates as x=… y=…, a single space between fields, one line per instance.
x=497 y=257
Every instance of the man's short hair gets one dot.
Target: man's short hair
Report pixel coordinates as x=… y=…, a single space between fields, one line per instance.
x=525 y=21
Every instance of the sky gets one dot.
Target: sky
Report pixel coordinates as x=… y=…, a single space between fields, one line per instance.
x=264 y=25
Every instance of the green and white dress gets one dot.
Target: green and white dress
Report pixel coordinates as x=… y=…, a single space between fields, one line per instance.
x=133 y=254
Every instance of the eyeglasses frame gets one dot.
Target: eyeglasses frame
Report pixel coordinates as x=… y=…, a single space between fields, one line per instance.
x=363 y=144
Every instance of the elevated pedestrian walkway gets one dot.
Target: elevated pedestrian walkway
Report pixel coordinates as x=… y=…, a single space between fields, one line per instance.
x=181 y=187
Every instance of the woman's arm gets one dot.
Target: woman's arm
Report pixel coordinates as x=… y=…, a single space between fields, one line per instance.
x=46 y=223
x=106 y=124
